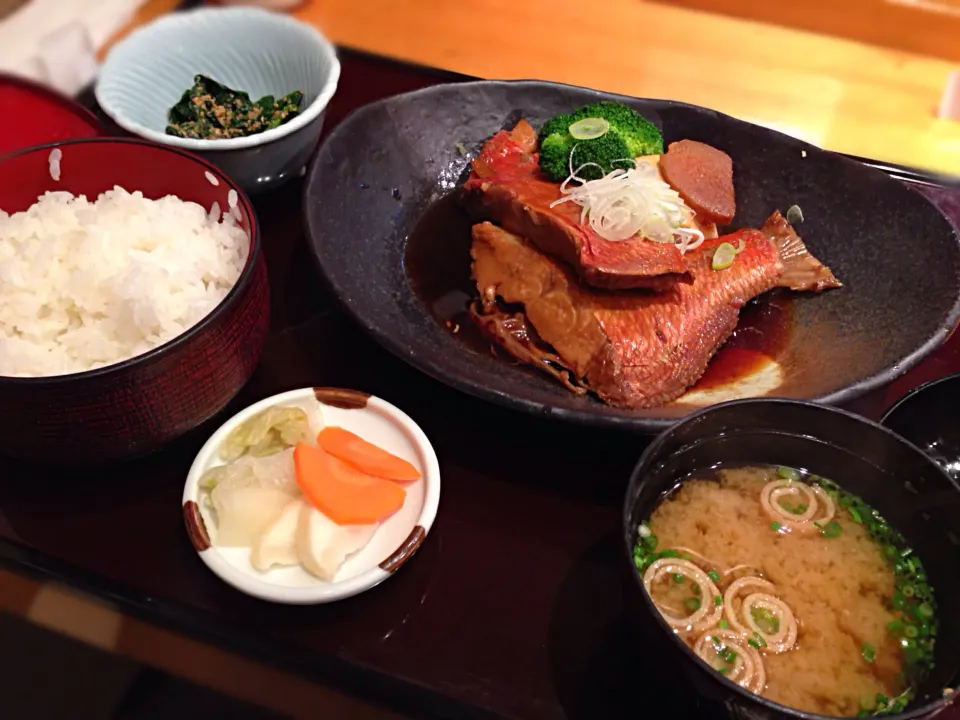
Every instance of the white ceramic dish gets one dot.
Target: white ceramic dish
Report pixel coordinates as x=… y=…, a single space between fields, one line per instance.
x=395 y=541
x=260 y=52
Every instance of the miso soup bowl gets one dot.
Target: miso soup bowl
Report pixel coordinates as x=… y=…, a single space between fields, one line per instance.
x=864 y=458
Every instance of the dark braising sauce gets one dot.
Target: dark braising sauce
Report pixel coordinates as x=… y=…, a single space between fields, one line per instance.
x=762 y=334
x=438 y=265
x=437 y=261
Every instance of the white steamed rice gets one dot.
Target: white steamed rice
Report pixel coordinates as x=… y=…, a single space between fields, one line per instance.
x=83 y=285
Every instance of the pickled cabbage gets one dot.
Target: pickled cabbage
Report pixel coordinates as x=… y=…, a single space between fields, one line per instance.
x=267 y=433
x=247 y=495
x=248 y=492
x=276 y=471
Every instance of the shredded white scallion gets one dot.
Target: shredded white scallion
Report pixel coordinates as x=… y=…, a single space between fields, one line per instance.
x=631 y=202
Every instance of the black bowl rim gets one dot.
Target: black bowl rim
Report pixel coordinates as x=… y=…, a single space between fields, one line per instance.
x=908 y=397
x=627 y=530
x=597 y=417
x=229 y=300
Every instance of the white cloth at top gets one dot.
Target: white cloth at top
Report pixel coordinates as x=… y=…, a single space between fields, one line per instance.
x=55 y=41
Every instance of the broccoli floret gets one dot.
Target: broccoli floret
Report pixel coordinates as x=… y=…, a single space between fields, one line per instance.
x=630 y=135
x=604 y=151
x=641 y=135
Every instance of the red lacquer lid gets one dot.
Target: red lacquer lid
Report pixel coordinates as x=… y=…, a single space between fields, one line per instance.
x=32 y=114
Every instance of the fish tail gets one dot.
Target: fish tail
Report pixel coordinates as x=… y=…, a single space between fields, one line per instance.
x=801 y=270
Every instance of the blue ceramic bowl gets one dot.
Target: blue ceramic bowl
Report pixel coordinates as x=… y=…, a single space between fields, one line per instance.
x=260 y=52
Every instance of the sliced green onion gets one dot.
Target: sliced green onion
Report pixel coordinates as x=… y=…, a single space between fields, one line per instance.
x=788 y=473
x=678 y=578
x=899 y=703
x=692 y=604
x=832 y=530
x=723 y=625
x=725 y=254
x=915 y=628
x=718 y=599
x=669 y=553
x=766 y=619
x=758 y=638
x=714 y=575
x=589 y=128
x=775 y=526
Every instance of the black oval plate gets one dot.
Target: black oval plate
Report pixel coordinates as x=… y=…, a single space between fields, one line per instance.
x=897 y=255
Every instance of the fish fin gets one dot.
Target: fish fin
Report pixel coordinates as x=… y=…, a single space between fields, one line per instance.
x=514 y=333
x=801 y=270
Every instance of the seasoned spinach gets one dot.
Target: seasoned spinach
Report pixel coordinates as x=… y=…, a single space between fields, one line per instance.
x=211 y=111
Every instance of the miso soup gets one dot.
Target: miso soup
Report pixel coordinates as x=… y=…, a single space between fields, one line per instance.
x=792 y=588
